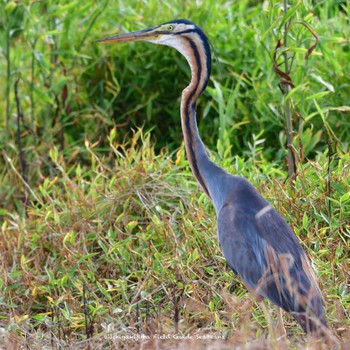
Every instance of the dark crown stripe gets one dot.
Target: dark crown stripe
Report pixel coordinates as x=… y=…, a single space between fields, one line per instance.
x=187 y=31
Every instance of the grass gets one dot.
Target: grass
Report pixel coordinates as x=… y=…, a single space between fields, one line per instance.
x=117 y=246
x=135 y=240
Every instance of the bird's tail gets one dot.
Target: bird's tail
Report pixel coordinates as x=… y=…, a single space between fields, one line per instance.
x=313 y=324
x=309 y=298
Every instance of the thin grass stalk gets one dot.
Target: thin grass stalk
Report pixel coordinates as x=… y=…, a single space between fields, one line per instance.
x=288 y=111
x=8 y=73
x=20 y=148
x=32 y=102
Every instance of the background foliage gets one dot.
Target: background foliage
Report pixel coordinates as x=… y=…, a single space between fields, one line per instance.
x=102 y=225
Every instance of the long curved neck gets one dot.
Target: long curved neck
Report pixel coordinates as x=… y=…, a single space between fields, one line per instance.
x=197 y=155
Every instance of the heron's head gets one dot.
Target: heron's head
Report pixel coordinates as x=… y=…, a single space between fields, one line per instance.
x=181 y=34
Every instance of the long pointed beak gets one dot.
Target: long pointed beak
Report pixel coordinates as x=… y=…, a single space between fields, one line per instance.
x=140 y=35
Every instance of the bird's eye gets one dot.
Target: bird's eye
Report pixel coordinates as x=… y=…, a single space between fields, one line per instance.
x=170 y=27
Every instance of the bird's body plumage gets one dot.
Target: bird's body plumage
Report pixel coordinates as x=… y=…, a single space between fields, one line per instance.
x=259 y=246
x=256 y=241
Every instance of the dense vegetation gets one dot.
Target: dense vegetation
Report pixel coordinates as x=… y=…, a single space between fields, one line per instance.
x=105 y=234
